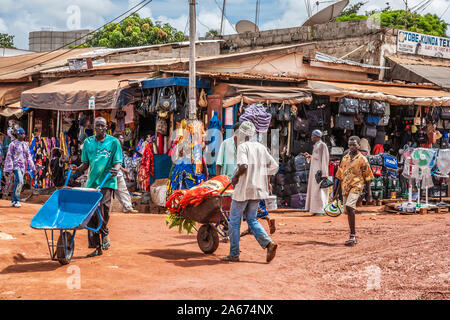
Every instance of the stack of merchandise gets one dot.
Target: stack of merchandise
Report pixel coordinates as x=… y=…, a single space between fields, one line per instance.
x=292 y=184
x=385 y=170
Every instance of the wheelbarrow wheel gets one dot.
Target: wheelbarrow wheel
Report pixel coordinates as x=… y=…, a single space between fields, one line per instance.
x=65 y=255
x=208 y=238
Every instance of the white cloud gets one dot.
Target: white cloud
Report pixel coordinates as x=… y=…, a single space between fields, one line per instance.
x=3 y=27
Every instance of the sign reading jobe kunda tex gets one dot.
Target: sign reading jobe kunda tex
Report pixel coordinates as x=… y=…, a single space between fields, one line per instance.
x=423 y=44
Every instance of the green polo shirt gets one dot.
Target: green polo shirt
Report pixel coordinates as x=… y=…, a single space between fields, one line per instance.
x=101 y=156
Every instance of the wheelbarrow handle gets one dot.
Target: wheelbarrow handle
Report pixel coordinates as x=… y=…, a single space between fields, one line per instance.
x=68 y=177
x=225 y=189
x=104 y=181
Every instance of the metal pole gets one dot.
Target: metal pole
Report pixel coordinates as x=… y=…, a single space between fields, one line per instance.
x=192 y=71
x=223 y=14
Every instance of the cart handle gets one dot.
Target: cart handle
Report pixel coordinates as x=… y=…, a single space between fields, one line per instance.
x=220 y=194
x=68 y=177
x=99 y=225
x=104 y=181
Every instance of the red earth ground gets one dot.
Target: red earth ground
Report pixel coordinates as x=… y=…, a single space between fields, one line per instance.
x=397 y=257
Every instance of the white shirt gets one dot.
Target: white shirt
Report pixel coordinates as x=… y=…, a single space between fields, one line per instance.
x=253 y=184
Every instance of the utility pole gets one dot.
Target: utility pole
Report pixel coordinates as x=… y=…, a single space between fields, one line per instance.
x=192 y=70
x=223 y=15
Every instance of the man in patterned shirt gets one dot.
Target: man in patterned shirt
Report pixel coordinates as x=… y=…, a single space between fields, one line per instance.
x=354 y=173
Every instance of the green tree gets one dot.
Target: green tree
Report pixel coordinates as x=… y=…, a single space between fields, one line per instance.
x=212 y=33
x=134 y=31
x=400 y=19
x=6 y=41
x=353 y=9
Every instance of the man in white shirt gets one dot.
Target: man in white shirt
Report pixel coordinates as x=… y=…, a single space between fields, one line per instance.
x=251 y=185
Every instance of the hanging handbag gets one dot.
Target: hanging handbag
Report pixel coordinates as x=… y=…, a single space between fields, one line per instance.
x=369 y=131
x=445 y=113
x=202 y=101
x=153 y=107
x=372 y=119
x=345 y=122
x=418 y=117
x=364 y=106
x=377 y=107
x=301 y=125
x=348 y=106
x=384 y=121
x=167 y=100
x=161 y=127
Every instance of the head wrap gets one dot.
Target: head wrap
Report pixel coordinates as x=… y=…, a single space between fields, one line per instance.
x=20 y=130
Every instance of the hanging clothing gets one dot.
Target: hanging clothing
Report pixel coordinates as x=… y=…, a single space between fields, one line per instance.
x=316 y=197
x=146 y=170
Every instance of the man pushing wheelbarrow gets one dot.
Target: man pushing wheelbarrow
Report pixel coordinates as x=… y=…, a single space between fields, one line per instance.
x=102 y=153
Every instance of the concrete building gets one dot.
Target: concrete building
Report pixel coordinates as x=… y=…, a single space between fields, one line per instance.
x=40 y=41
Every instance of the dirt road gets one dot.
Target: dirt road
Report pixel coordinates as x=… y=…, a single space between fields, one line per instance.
x=398 y=257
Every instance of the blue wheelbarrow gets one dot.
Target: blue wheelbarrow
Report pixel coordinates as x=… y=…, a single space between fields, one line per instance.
x=67 y=210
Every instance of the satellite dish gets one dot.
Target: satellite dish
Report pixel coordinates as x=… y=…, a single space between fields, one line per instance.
x=327 y=14
x=246 y=26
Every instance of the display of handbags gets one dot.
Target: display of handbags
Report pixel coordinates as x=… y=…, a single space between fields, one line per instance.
x=167 y=99
x=301 y=146
x=364 y=106
x=445 y=113
x=299 y=163
x=345 y=122
x=384 y=121
x=348 y=106
x=372 y=119
x=377 y=107
x=369 y=130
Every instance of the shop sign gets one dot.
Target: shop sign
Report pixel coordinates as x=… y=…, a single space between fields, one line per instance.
x=423 y=44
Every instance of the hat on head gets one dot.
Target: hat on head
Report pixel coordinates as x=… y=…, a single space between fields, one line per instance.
x=20 y=130
x=317 y=133
x=247 y=128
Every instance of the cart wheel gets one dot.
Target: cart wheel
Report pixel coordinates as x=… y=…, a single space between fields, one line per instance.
x=64 y=255
x=208 y=238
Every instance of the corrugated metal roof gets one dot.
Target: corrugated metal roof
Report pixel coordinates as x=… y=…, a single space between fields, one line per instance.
x=322 y=57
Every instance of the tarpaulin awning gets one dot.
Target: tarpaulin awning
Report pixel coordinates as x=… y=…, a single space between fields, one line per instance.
x=12 y=110
x=253 y=94
x=396 y=95
x=73 y=94
x=10 y=92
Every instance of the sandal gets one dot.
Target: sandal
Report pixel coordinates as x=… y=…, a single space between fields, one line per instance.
x=97 y=252
x=352 y=241
x=106 y=245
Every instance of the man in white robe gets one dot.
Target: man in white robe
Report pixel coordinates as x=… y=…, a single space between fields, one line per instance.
x=317 y=198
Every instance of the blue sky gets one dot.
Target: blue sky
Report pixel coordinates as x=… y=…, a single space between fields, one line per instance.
x=19 y=17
